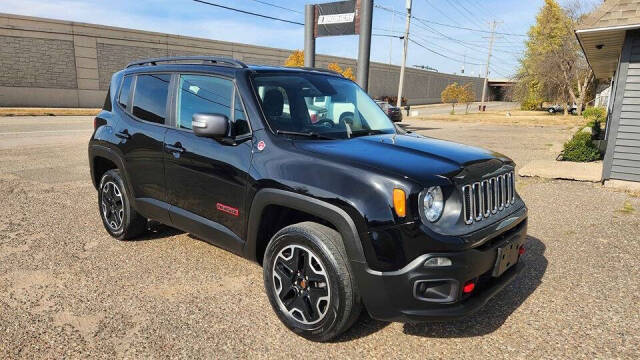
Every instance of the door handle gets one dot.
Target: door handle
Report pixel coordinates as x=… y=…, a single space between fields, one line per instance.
x=175 y=148
x=124 y=134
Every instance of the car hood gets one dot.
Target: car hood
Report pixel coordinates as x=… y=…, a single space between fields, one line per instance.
x=417 y=157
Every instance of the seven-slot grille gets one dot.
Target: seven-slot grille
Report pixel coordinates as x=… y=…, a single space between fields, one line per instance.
x=485 y=198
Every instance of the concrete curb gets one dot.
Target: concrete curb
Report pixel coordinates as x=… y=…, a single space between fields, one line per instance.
x=551 y=169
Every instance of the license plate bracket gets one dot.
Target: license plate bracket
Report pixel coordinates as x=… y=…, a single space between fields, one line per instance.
x=508 y=255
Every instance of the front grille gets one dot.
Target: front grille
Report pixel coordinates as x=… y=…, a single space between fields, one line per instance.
x=482 y=199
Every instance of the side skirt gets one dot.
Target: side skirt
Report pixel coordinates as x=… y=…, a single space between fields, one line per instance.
x=205 y=229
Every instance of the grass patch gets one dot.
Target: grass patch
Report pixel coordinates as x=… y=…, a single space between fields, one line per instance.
x=511 y=117
x=7 y=111
x=627 y=208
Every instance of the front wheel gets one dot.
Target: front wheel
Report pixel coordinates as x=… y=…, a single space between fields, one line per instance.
x=309 y=282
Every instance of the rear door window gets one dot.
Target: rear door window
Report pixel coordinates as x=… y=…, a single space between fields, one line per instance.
x=150 y=97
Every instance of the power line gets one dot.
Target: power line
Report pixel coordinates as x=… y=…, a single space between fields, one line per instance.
x=448 y=25
x=458 y=6
x=277 y=6
x=440 y=11
x=446 y=49
x=440 y=54
x=249 y=13
x=387 y=35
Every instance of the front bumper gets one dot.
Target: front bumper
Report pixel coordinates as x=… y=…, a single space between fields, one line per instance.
x=393 y=295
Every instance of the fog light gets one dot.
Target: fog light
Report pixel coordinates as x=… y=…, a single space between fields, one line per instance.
x=437 y=261
x=468 y=287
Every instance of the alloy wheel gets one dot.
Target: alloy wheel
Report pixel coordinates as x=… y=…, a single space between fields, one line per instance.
x=301 y=284
x=112 y=205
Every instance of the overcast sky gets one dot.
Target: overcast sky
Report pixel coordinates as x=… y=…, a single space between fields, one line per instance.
x=451 y=46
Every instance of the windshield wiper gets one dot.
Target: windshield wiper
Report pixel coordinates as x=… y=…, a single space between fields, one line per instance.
x=357 y=133
x=307 y=134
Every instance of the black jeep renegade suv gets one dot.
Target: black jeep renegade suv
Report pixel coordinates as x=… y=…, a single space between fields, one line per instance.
x=343 y=211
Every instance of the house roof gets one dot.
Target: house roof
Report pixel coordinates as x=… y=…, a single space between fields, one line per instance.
x=602 y=33
x=613 y=13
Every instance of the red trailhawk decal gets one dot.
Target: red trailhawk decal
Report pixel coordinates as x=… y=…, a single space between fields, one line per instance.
x=228 y=209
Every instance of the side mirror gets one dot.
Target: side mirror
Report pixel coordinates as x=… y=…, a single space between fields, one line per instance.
x=210 y=125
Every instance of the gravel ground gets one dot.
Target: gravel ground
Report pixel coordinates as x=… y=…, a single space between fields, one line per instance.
x=69 y=290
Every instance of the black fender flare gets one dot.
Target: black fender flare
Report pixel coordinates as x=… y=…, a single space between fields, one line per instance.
x=321 y=209
x=96 y=150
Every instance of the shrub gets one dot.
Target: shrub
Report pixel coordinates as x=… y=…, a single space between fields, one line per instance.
x=580 y=149
x=595 y=113
x=529 y=104
x=595 y=116
x=392 y=99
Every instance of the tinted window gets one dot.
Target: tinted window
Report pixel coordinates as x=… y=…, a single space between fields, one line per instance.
x=241 y=125
x=202 y=94
x=150 y=97
x=124 y=91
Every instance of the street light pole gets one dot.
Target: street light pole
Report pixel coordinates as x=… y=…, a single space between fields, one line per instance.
x=404 y=54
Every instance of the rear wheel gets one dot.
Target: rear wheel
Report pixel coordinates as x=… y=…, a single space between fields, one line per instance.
x=118 y=216
x=309 y=282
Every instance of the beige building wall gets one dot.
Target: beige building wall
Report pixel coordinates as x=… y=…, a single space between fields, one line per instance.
x=55 y=63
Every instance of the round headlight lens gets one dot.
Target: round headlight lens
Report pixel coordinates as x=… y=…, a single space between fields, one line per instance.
x=433 y=203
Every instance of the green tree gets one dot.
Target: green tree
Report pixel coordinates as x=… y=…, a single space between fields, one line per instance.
x=553 y=67
x=296 y=59
x=451 y=95
x=466 y=96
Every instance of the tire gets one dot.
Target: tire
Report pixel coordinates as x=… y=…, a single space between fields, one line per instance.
x=118 y=216
x=551 y=111
x=303 y=304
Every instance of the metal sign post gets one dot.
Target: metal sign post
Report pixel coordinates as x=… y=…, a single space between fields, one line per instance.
x=353 y=17
x=364 y=45
x=309 y=38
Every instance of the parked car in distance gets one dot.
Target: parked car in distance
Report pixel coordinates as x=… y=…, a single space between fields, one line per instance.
x=572 y=109
x=393 y=112
x=346 y=213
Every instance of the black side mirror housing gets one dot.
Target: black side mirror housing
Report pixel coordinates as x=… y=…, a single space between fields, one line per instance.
x=214 y=126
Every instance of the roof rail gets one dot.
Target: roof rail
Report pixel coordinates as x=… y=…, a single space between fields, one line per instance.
x=328 y=71
x=212 y=60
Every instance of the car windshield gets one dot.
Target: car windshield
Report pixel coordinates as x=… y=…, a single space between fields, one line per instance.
x=319 y=106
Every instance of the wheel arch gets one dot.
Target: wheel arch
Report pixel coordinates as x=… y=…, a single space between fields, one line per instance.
x=335 y=216
x=97 y=155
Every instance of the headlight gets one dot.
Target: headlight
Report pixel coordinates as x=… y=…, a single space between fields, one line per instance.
x=433 y=203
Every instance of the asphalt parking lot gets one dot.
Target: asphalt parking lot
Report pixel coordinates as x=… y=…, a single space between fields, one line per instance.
x=69 y=290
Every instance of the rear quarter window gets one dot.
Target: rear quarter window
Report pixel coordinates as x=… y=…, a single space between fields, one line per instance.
x=125 y=90
x=150 y=97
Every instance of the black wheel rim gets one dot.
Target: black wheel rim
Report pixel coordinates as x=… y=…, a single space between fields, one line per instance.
x=112 y=205
x=301 y=284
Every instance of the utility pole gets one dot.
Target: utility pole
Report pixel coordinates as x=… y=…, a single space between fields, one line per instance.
x=486 y=71
x=393 y=17
x=404 y=54
x=464 y=61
